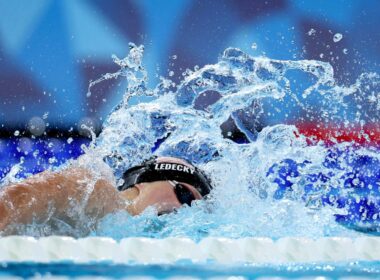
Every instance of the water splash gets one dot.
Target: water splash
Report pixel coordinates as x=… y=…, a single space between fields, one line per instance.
x=131 y=69
x=280 y=182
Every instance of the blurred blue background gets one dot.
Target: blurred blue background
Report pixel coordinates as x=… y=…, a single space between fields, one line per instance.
x=50 y=49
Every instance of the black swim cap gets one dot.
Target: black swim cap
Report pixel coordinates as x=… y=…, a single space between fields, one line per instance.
x=153 y=170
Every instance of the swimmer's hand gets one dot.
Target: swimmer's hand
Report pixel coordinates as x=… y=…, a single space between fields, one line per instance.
x=73 y=194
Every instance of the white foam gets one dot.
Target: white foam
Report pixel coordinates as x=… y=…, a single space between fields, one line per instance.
x=169 y=250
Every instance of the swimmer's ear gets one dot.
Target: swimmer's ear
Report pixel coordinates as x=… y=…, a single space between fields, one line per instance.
x=137 y=190
x=131 y=193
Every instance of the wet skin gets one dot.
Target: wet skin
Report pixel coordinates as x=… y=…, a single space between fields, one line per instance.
x=158 y=194
x=74 y=194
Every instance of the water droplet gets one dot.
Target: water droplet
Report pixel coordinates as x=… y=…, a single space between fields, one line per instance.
x=174 y=57
x=70 y=140
x=254 y=46
x=337 y=37
x=311 y=32
x=345 y=51
x=16 y=133
x=171 y=74
x=36 y=126
x=35 y=153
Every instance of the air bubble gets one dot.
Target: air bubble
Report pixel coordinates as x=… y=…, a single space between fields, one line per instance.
x=337 y=37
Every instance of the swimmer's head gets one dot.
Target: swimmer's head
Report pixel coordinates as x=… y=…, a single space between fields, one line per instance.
x=165 y=183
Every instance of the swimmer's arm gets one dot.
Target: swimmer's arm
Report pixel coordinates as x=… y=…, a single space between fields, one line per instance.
x=54 y=194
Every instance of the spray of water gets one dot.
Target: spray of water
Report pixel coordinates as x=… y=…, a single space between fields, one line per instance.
x=279 y=183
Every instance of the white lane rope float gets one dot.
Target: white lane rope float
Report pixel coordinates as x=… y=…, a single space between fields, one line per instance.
x=170 y=250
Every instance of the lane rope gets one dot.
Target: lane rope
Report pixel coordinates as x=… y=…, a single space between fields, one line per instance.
x=170 y=250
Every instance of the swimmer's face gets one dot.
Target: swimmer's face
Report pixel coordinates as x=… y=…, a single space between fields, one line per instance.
x=159 y=195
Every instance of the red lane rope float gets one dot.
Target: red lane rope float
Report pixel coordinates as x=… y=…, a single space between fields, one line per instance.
x=368 y=134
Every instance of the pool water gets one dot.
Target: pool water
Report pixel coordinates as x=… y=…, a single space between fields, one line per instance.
x=276 y=183
x=368 y=270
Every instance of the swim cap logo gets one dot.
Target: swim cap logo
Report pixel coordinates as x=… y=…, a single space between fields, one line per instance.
x=174 y=166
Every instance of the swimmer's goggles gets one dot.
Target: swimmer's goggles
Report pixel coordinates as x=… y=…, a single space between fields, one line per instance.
x=151 y=171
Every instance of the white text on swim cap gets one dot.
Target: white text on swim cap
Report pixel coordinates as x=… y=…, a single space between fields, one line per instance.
x=174 y=166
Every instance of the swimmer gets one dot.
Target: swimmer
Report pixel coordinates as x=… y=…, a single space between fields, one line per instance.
x=165 y=183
